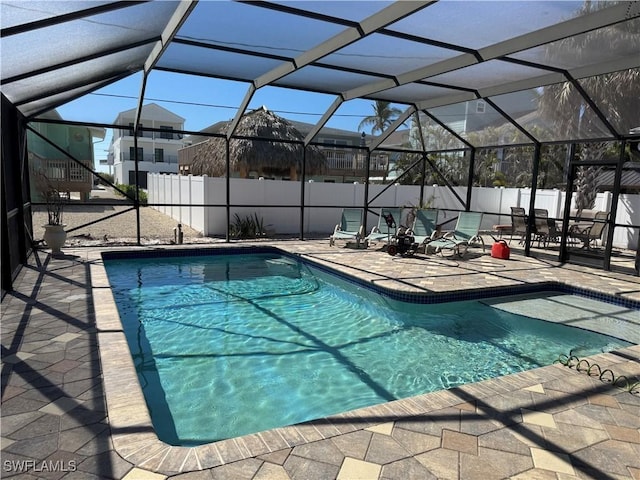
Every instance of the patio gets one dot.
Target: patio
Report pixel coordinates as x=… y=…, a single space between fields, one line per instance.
x=72 y=407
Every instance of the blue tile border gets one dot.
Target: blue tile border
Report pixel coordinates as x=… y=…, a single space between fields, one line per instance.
x=412 y=297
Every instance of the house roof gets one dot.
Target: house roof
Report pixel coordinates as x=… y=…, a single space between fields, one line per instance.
x=420 y=55
x=629 y=182
x=152 y=111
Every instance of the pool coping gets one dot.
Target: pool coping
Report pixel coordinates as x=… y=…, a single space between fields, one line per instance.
x=134 y=436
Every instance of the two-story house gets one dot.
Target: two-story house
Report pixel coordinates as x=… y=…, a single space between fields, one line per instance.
x=157 y=150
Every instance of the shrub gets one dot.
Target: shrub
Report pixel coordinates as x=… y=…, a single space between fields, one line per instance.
x=106 y=176
x=130 y=190
x=250 y=226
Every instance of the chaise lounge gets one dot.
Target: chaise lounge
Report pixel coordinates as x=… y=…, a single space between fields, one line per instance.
x=383 y=231
x=467 y=231
x=425 y=226
x=351 y=226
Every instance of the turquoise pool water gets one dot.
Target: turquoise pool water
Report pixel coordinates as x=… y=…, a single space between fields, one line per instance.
x=226 y=345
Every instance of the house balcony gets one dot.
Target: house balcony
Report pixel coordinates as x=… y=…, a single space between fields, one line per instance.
x=151 y=158
x=154 y=135
x=66 y=175
x=341 y=160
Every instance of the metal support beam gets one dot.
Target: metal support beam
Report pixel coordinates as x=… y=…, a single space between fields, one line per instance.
x=532 y=200
x=184 y=8
x=325 y=118
x=392 y=128
x=241 y=109
x=472 y=167
x=564 y=254
x=303 y=179
x=367 y=169
x=611 y=219
x=423 y=174
x=136 y=160
x=59 y=19
x=228 y=192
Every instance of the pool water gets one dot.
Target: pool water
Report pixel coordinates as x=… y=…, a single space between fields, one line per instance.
x=227 y=345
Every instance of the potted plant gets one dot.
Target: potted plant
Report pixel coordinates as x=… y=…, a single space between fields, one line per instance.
x=54 y=233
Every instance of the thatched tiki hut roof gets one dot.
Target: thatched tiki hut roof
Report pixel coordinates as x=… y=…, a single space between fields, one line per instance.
x=267 y=158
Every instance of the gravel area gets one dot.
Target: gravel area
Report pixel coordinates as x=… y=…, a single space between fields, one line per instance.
x=155 y=227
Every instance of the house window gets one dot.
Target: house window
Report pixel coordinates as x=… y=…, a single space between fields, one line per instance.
x=480 y=106
x=131 y=132
x=132 y=153
x=168 y=133
x=159 y=155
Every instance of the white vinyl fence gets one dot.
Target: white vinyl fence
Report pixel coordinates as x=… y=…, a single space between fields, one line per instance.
x=279 y=203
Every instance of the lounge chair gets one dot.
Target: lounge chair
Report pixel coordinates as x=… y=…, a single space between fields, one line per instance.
x=382 y=231
x=425 y=225
x=350 y=227
x=467 y=231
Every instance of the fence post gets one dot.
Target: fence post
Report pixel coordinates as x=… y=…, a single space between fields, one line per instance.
x=309 y=211
x=190 y=199
x=165 y=194
x=180 y=197
x=205 y=201
x=558 y=203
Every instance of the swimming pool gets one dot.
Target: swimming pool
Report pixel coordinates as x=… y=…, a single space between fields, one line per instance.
x=232 y=344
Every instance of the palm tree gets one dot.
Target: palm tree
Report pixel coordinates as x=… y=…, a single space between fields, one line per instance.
x=383 y=116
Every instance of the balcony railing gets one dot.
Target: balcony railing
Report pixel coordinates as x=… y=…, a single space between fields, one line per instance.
x=65 y=174
x=150 y=157
x=154 y=135
x=340 y=160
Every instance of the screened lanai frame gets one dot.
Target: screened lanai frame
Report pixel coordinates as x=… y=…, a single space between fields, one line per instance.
x=55 y=52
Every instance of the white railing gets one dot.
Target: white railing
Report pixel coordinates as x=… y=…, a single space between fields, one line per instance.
x=150 y=157
x=65 y=172
x=340 y=160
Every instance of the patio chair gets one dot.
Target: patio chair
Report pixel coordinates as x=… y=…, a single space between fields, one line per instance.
x=383 y=231
x=590 y=232
x=545 y=227
x=466 y=232
x=518 y=223
x=350 y=227
x=425 y=225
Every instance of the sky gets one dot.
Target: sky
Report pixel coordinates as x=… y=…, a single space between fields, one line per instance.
x=204 y=101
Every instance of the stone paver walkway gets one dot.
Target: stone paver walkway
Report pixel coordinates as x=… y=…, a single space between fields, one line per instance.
x=72 y=408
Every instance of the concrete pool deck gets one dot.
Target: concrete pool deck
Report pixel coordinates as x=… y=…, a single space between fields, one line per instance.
x=72 y=406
